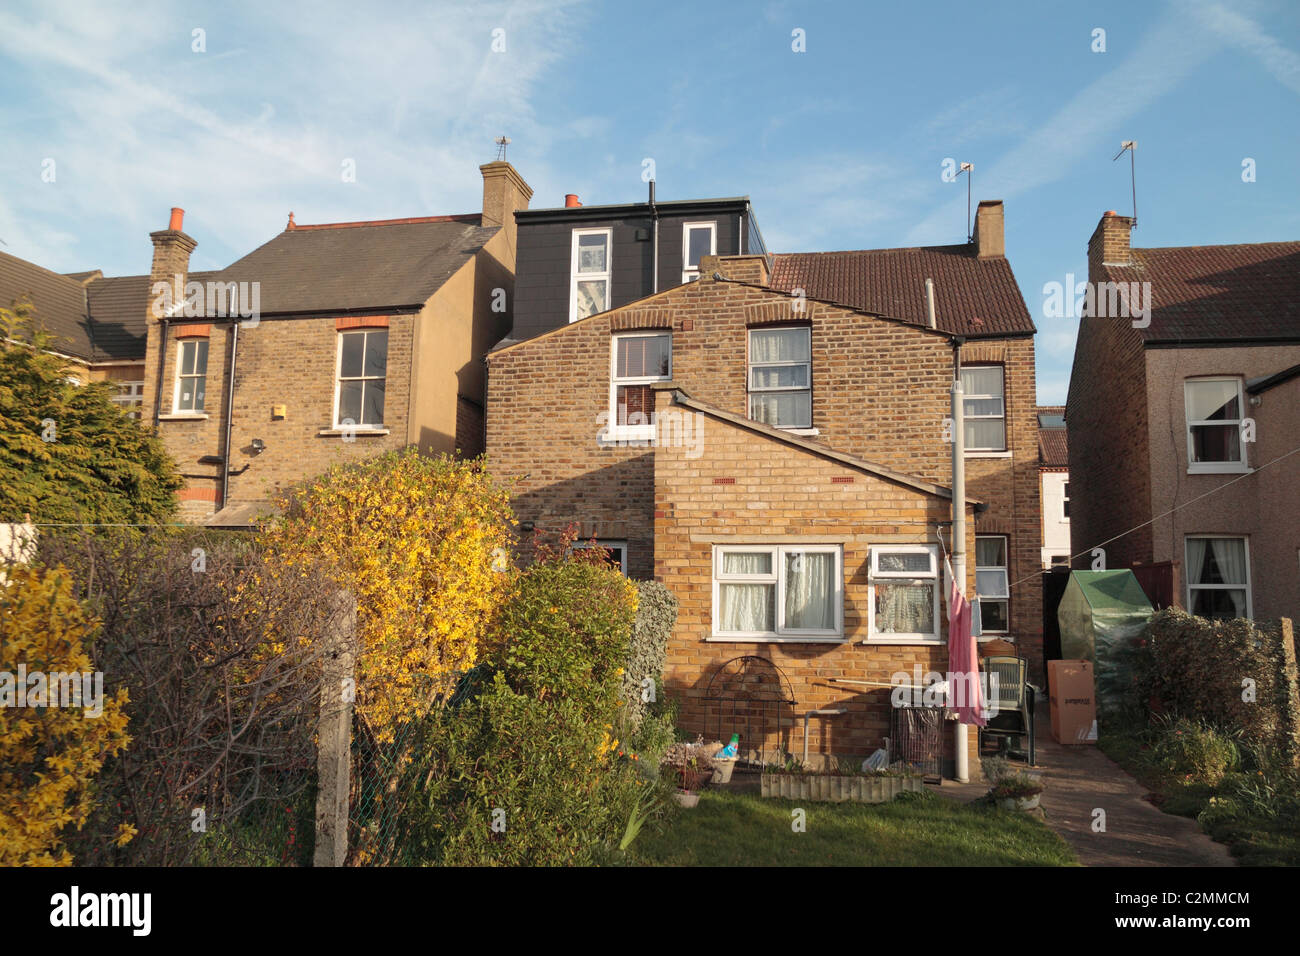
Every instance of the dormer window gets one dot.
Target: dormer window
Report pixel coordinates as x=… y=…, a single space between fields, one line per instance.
x=589 y=272
x=699 y=239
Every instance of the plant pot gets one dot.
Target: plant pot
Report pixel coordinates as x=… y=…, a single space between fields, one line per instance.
x=694 y=780
x=686 y=798
x=1019 y=803
x=722 y=768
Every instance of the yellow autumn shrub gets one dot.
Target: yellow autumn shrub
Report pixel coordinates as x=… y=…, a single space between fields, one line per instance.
x=49 y=755
x=422 y=542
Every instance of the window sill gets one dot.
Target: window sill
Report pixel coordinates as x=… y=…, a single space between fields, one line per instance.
x=1226 y=468
x=619 y=436
x=184 y=417
x=910 y=641
x=809 y=432
x=779 y=639
x=358 y=430
x=988 y=454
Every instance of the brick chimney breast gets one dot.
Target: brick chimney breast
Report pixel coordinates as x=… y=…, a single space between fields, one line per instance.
x=504 y=192
x=990 y=239
x=1109 y=245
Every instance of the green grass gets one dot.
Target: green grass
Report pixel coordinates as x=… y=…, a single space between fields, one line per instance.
x=733 y=829
x=1254 y=839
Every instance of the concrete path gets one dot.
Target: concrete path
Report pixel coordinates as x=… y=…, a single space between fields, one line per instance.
x=1078 y=781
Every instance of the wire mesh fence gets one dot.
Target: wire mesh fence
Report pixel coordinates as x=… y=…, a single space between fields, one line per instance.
x=375 y=817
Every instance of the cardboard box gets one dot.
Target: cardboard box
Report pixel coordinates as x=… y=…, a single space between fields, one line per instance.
x=1073 y=702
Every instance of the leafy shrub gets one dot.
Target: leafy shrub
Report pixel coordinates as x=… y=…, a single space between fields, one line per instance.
x=49 y=755
x=656 y=614
x=1192 y=749
x=422 y=543
x=523 y=769
x=68 y=453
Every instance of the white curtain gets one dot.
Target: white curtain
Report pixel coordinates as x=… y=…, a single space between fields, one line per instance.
x=809 y=591
x=778 y=345
x=904 y=607
x=746 y=606
x=1230 y=556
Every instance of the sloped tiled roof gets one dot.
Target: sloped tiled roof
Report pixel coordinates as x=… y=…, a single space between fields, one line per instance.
x=973 y=297
x=368 y=265
x=59 y=303
x=118 y=307
x=1053 y=448
x=1218 y=293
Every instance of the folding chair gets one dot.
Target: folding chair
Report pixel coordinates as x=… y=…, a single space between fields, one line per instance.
x=1015 y=698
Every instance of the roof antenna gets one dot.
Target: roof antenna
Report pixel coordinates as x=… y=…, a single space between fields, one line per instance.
x=502 y=142
x=969 y=170
x=1131 y=146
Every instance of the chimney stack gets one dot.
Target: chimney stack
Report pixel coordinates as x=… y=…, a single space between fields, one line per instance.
x=504 y=192
x=990 y=239
x=171 y=250
x=1109 y=245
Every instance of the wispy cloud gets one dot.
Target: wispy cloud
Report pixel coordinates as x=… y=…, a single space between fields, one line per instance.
x=1247 y=35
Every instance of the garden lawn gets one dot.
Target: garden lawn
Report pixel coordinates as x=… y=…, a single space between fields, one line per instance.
x=734 y=829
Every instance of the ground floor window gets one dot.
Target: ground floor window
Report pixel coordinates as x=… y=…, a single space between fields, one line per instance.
x=793 y=592
x=1218 y=577
x=991 y=583
x=903 y=607
x=616 y=551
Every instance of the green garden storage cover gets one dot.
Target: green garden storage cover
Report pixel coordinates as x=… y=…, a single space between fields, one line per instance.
x=1102 y=615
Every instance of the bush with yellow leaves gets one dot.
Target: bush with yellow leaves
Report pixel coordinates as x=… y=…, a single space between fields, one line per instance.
x=423 y=543
x=49 y=755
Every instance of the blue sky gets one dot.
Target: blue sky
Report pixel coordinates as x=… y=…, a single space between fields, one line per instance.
x=840 y=147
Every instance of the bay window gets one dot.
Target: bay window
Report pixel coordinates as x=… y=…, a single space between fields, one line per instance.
x=790 y=592
x=903 y=606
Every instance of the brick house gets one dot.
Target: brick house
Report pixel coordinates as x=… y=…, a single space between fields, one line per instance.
x=1054 y=485
x=791 y=485
x=1183 y=420
x=368 y=337
x=97 y=322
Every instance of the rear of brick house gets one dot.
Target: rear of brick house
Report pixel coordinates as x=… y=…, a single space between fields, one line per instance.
x=792 y=485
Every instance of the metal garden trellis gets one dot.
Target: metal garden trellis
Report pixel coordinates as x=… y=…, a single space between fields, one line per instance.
x=749 y=694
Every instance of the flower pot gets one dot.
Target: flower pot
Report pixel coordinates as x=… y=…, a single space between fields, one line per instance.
x=1019 y=803
x=836 y=789
x=685 y=798
x=722 y=768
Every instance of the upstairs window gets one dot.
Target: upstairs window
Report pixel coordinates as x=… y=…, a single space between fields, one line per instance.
x=639 y=360
x=191 y=375
x=590 y=272
x=780 y=377
x=1213 y=408
x=1065 y=502
x=984 y=408
x=699 y=239
x=363 y=365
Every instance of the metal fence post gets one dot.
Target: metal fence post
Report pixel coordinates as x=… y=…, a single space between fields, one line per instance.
x=334 y=746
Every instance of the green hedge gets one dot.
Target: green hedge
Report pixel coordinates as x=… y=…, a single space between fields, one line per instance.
x=656 y=614
x=1200 y=669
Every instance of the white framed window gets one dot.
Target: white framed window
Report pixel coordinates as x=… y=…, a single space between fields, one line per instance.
x=616 y=551
x=1065 y=501
x=130 y=396
x=1213 y=408
x=778 y=592
x=359 y=384
x=699 y=239
x=903 y=602
x=1218 y=576
x=991 y=583
x=590 y=272
x=637 y=361
x=984 y=407
x=780 y=376
x=191 y=375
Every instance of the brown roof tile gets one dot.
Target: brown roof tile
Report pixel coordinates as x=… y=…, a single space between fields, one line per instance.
x=973 y=297
x=1218 y=293
x=1053 y=448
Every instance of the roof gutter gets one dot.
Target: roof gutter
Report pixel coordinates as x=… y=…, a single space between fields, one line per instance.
x=654 y=227
x=230 y=412
x=162 y=360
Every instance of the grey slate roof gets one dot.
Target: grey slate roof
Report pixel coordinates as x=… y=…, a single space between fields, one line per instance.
x=59 y=302
x=358 y=266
